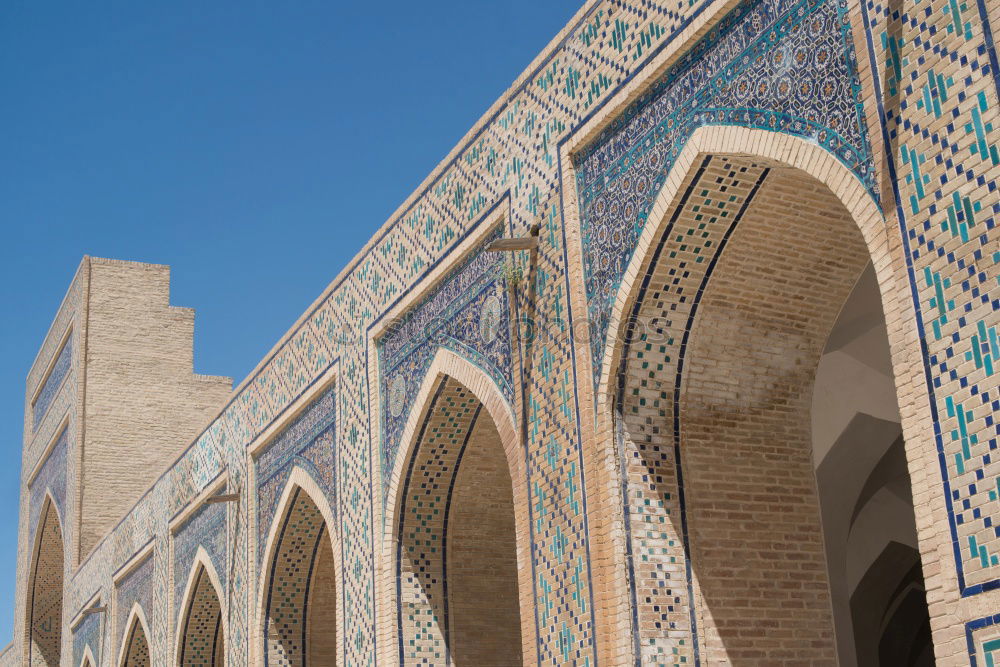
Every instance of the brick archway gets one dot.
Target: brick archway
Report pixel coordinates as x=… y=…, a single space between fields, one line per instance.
x=711 y=413
x=299 y=603
x=202 y=639
x=135 y=647
x=45 y=604
x=455 y=539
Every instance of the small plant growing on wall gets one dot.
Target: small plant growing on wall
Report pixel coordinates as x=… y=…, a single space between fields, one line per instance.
x=512 y=271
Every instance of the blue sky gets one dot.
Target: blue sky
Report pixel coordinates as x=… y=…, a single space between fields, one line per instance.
x=252 y=146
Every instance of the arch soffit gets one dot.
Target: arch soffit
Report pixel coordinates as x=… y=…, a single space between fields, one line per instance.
x=48 y=502
x=789 y=151
x=135 y=616
x=298 y=481
x=202 y=561
x=447 y=364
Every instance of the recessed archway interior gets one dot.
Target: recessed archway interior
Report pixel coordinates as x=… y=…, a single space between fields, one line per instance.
x=456 y=559
x=46 y=591
x=300 y=614
x=203 y=640
x=753 y=284
x=136 y=645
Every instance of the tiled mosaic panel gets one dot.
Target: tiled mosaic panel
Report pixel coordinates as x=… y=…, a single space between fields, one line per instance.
x=289 y=594
x=937 y=75
x=135 y=587
x=422 y=602
x=780 y=65
x=87 y=635
x=469 y=314
x=51 y=478
x=207 y=528
x=983 y=639
x=516 y=154
x=645 y=413
x=202 y=636
x=308 y=442
x=53 y=382
x=137 y=651
x=46 y=594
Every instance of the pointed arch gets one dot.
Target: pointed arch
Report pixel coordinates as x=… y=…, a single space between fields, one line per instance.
x=202 y=628
x=134 y=650
x=88 y=657
x=785 y=149
x=420 y=596
x=448 y=364
x=750 y=250
x=299 y=616
x=45 y=588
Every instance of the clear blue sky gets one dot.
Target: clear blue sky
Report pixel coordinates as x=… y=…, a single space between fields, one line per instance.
x=252 y=146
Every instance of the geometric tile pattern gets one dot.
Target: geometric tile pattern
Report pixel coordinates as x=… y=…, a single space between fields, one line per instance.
x=53 y=382
x=983 y=639
x=942 y=121
x=467 y=313
x=206 y=528
x=664 y=621
x=288 y=594
x=421 y=577
x=202 y=636
x=774 y=64
x=309 y=442
x=88 y=634
x=136 y=587
x=46 y=596
x=51 y=478
x=137 y=653
x=946 y=120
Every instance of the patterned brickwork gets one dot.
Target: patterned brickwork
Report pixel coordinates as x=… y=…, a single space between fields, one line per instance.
x=780 y=65
x=481 y=558
x=710 y=206
x=208 y=529
x=785 y=66
x=422 y=590
x=983 y=639
x=137 y=646
x=289 y=594
x=136 y=587
x=937 y=84
x=50 y=482
x=769 y=301
x=53 y=382
x=46 y=595
x=87 y=635
x=202 y=636
x=308 y=442
x=467 y=313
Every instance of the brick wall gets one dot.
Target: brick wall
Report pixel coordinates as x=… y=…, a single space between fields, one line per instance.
x=481 y=555
x=756 y=536
x=143 y=401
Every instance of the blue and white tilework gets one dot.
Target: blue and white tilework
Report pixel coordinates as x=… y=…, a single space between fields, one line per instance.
x=781 y=65
x=467 y=313
x=308 y=442
x=206 y=528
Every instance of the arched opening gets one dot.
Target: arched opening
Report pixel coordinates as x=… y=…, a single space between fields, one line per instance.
x=456 y=540
x=45 y=604
x=136 y=650
x=203 y=640
x=725 y=417
x=300 y=609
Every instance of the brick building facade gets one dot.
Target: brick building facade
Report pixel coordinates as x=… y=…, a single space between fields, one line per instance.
x=735 y=401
